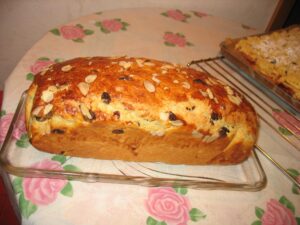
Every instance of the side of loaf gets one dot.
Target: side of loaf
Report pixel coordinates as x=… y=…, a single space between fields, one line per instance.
x=138 y=109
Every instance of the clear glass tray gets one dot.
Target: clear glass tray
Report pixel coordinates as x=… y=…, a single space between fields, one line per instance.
x=246 y=176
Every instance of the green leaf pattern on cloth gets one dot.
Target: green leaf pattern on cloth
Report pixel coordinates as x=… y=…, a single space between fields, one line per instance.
x=259 y=212
x=257 y=222
x=284 y=201
x=196 y=215
x=282 y=211
x=67 y=190
x=55 y=31
x=43 y=59
x=31 y=192
x=27 y=208
x=30 y=76
x=23 y=142
x=71 y=168
x=17 y=185
x=285 y=131
x=295 y=174
x=152 y=221
x=2 y=113
x=181 y=190
x=59 y=158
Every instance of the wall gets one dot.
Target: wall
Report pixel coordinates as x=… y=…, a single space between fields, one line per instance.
x=23 y=22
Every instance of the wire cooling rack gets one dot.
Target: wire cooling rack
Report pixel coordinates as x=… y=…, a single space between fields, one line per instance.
x=264 y=101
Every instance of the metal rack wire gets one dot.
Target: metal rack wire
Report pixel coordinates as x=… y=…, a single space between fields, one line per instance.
x=264 y=103
x=220 y=67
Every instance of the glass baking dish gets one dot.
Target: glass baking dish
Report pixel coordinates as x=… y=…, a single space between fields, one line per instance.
x=246 y=176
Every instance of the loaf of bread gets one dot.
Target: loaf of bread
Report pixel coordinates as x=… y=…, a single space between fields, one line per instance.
x=138 y=109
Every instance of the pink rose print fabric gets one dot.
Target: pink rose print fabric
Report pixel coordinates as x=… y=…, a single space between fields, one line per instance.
x=75 y=33
x=288 y=122
x=72 y=32
x=112 y=25
x=39 y=65
x=175 y=39
x=43 y=191
x=170 y=206
x=35 y=192
x=277 y=214
x=176 y=14
x=5 y=122
x=280 y=212
x=166 y=205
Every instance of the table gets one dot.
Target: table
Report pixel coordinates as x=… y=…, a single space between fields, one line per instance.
x=174 y=35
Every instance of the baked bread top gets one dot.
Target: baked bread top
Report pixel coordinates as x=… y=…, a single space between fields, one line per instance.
x=157 y=97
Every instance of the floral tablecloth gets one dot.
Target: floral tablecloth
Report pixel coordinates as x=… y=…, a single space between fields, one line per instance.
x=174 y=35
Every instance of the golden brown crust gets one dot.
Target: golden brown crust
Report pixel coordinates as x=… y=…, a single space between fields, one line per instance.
x=138 y=109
